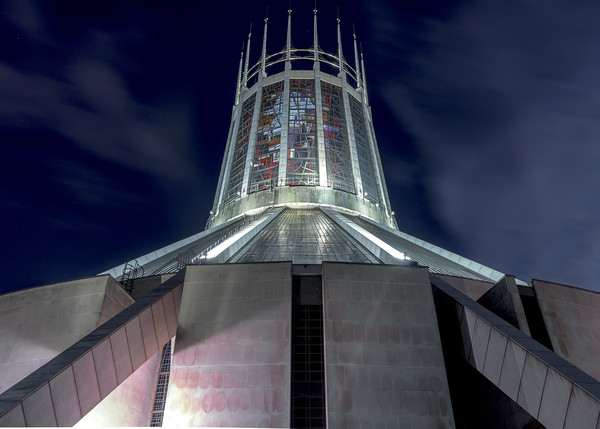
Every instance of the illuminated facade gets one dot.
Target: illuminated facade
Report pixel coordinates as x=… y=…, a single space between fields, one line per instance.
x=301 y=304
x=300 y=128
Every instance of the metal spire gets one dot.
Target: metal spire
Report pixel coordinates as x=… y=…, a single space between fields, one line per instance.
x=245 y=82
x=288 y=45
x=264 y=50
x=358 y=82
x=339 y=34
x=316 y=39
x=364 y=77
x=239 y=79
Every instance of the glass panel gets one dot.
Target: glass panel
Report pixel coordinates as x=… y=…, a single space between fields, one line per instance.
x=304 y=237
x=268 y=140
x=337 y=146
x=365 y=160
x=302 y=146
x=238 y=160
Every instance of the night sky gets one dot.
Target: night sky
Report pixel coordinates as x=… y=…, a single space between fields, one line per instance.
x=114 y=117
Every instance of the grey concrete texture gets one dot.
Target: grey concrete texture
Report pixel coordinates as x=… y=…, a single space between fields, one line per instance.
x=474 y=289
x=504 y=300
x=383 y=356
x=231 y=364
x=130 y=404
x=572 y=318
x=115 y=300
x=144 y=285
x=39 y=323
x=548 y=387
x=76 y=380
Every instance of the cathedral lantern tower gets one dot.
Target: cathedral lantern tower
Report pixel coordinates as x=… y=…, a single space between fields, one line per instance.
x=301 y=137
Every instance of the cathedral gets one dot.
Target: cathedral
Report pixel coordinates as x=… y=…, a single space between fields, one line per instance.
x=302 y=303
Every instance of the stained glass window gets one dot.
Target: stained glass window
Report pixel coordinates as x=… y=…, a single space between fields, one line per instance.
x=337 y=146
x=238 y=160
x=302 y=163
x=268 y=140
x=365 y=160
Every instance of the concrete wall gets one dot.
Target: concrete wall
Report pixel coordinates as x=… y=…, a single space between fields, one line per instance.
x=37 y=324
x=69 y=386
x=474 y=289
x=231 y=365
x=130 y=403
x=504 y=300
x=549 y=388
x=572 y=318
x=115 y=300
x=384 y=363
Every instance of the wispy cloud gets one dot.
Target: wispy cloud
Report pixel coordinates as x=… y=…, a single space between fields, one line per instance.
x=503 y=105
x=87 y=99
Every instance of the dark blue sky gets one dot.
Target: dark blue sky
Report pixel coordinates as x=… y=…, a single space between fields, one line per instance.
x=114 y=117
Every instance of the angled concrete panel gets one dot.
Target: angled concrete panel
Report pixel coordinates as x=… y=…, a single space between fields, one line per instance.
x=532 y=384
x=86 y=381
x=512 y=370
x=135 y=342
x=572 y=319
x=38 y=408
x=555 y=399
x=92 y=363
x=148 y=332
x=13 y=418
x=105 y=368
x=120 y=352
x=38 y=324
x=504 y=300
x=494 y=358
x=533 y=376
x=129 y=404
x=64 y=398
x=474 y=289
x=582 y=411
x=170 y=314
x=383 y=357
x=231 y=364
x=160 y=322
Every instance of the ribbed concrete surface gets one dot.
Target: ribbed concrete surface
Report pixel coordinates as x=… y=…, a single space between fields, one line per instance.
x=73 y=383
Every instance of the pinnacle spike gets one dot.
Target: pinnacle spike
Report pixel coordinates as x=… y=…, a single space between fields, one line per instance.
x=364 y=77
x=239 y=79
x=316 y=38
x=339 y=36
x=358 y=82
x=288 y=46
x=264 y=49
x=245 y=81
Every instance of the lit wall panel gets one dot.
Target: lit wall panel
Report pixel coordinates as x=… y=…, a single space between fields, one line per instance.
x=572 y=318
x=383 y=357
x=37 y=324
x=231 y=365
